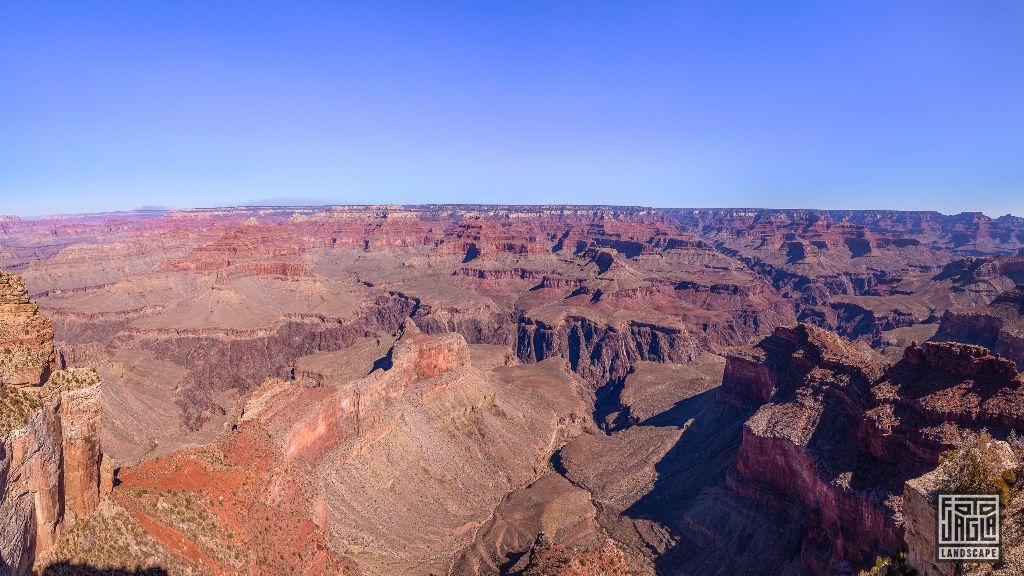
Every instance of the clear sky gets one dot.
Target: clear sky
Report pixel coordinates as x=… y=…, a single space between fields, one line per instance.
x=823 y=104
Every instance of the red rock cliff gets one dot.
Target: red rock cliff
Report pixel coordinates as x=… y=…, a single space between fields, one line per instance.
x=49 y=436
x=838 y=433
x=26 y=336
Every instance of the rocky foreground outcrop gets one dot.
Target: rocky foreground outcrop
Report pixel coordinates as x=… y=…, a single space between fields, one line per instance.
x=800 y=449
x=838 y=432
x=50 y=459
x=919 y=512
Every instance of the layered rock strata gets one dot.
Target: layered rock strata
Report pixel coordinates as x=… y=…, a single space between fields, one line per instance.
x=838 y=432
x=50 y=459
x=26 y=336
x=329 y=454
x=998 y=326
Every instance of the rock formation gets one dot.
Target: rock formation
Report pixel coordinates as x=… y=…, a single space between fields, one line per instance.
x=49 y=436
x=26 y=336
x=327 y=457
x=998 y=326
x=919 y=513
x=547 y=559
x=838 y=433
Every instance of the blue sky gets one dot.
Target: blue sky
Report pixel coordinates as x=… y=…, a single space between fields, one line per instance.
x=861 y=104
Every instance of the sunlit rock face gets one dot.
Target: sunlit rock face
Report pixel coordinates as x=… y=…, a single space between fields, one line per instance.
x=50 y=448
x=26 y=354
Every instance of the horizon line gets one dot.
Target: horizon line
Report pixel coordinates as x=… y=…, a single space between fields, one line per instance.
x=164 y=210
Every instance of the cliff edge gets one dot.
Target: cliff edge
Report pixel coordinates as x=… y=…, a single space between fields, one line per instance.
x=49 y=435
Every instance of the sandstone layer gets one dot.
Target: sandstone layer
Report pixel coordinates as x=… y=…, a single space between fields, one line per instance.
x=26 y=356
x=838 y=432
x=49 y=436
x=999 y=325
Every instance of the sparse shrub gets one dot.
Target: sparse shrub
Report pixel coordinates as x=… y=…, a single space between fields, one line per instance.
x=1016 y=442
x=891 y=566
x=977 y=465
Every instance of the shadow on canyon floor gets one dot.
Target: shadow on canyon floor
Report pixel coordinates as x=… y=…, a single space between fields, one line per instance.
x=67 y=569
x=705 y=452
x=691 y=498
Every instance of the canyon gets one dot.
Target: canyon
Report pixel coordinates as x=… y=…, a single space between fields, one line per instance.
x=469 y=390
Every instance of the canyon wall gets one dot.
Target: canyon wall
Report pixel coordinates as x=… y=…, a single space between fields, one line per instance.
x=50 y=427
x=838 y=432
x=26 y=336
x=998 y=326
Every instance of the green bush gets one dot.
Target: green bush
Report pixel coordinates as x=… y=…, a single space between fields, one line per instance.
x=893 y=566
x=977 y=465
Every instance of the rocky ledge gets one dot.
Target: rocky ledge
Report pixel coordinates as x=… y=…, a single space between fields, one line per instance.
x=837 y=433
x=26 y=336
x=50 y=457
